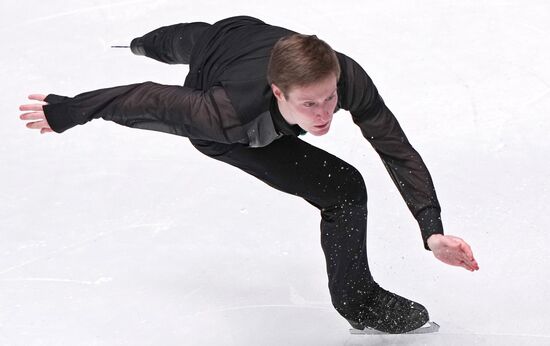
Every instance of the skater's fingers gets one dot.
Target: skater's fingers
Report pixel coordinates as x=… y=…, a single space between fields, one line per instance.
x=465 y=256
x=469 y=264
x=475 y=265
x=34 y=125
x=37 y=97
x=45 y=130
x=31 y=107
x=467 y=250
x=465 y=265
x=38 y=125
x=471 y=267
x=32 y=116
x=457 y=258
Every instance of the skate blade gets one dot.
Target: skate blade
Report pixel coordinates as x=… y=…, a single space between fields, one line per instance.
x=429 y=327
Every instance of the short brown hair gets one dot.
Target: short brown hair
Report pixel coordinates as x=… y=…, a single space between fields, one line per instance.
x=298 y=60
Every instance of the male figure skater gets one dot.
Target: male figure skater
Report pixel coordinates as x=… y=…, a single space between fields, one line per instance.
x=251 y=91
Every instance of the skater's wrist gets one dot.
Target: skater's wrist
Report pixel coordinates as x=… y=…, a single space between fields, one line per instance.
x=429 y=220
x=433 y=240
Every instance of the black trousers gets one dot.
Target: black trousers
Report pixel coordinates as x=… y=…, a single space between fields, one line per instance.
x=330 y=184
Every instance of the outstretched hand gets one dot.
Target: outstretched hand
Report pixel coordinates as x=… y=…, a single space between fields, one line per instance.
x=452 y=250
x=35 y=112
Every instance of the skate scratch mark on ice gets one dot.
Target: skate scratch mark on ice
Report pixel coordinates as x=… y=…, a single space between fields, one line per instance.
x=191 y=293
x=538 y=98
x=521 y=335
x=80 y=282
x=534 y=28
x=261 y=306
x=73 y=246
x=78 y=11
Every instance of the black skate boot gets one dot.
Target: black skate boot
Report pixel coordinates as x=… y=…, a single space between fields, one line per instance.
x=389 y=313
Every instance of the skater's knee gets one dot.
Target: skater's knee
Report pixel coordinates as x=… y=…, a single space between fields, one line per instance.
x=349 y=197
x=351 y=191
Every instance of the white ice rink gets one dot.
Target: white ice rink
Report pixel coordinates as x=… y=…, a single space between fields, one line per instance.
x=116 y=236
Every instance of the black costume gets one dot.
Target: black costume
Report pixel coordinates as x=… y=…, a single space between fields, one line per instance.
x=227 y=110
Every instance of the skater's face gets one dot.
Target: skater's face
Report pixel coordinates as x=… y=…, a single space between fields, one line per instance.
x=311 y=107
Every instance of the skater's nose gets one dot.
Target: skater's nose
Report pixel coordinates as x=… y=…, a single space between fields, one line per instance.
x=324 y=113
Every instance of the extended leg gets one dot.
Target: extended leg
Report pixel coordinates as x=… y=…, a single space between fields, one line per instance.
x=171 y=44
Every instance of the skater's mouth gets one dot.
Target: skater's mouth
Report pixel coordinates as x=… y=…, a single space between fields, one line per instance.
x=322 y=126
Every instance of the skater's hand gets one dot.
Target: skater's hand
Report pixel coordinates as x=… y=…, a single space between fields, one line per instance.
x=35 y=112
x=453 y=251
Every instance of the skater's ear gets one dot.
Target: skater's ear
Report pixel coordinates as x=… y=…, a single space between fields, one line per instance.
x=279 y=94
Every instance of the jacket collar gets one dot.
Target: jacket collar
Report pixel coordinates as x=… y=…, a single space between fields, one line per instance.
x=280 y=123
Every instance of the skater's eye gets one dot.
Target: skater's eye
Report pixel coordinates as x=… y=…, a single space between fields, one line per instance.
x=309 y=104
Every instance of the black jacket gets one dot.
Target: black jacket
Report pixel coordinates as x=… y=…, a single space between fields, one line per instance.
x=226 y=99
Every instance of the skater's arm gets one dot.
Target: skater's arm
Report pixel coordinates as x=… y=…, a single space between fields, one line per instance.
x=171 y=109
x=379 y=126
x=169 y=44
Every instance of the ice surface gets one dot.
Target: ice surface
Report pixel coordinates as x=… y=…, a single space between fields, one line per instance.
x=114 y=236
